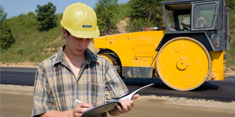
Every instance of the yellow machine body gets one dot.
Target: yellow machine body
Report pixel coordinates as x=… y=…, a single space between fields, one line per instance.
x=138 y=49
x=217 y=65
x=133 y=49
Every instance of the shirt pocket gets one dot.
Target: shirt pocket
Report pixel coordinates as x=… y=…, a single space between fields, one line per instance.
x=98 y=91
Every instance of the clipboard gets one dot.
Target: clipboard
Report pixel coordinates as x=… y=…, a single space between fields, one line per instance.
x=111 y=105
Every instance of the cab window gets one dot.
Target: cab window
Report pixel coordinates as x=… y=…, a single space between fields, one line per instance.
x=203 y=15
x=178 y=17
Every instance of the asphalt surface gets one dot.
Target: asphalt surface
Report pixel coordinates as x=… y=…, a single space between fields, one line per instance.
x=212 y=90
x=17 y=76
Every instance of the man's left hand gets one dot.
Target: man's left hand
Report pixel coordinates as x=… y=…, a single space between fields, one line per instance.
x=126 y=105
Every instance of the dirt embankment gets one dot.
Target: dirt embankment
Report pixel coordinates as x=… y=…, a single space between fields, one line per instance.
x=230 y=71
x=35 y=65
x=22 y=64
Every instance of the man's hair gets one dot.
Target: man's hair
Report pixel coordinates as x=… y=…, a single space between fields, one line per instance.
x=67 y=32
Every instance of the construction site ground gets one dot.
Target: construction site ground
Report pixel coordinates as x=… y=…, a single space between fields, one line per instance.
x=17 y=101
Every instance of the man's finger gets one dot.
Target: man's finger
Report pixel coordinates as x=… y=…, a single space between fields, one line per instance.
x=86 y=105
x=119 y=107
x=129 y=104
x=136 y=96
x=82 y=107
x=77 y=114
x=124 y=106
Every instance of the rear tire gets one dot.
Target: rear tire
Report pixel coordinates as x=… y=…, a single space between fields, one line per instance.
x=114 y=61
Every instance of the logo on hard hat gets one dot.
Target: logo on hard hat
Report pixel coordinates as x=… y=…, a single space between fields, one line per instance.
x=86 y=26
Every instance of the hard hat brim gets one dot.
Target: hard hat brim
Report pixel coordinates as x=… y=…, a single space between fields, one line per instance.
x=85 y=34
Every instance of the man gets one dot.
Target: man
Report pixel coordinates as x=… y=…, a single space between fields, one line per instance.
x=76 y=73
x=201 y=22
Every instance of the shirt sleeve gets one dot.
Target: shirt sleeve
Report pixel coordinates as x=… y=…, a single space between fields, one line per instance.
x=42 y=98
x=115 y=87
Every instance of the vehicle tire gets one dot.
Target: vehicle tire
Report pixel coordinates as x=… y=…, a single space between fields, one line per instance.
x=114 y=61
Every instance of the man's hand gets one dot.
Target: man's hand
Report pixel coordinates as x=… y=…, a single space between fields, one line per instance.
x=126 y=106
x=81 y=108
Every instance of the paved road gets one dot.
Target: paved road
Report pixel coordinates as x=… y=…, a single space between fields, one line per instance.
x=17 y=76
x=214 y=90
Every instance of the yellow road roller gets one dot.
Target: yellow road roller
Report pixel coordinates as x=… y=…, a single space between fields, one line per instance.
x=190 y=51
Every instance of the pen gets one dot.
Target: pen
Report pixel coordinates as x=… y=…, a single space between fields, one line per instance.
x=78 y=101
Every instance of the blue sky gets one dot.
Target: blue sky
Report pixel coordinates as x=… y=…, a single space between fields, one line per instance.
x=17 y=7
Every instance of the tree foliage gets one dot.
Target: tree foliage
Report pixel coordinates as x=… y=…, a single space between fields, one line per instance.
x=6 y=35
x=3 y=15
x=145 y=13
x=46 y=16
x=231 y=4
x=107 y=11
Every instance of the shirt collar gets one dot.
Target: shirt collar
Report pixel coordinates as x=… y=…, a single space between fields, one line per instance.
x=89 y=57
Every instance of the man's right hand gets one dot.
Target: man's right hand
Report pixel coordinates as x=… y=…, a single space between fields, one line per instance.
x=81 y=108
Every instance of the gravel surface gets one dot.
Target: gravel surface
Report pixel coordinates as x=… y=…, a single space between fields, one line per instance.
x=18 y=99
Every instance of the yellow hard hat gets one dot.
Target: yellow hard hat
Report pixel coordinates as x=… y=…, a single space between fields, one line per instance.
x=80 y=20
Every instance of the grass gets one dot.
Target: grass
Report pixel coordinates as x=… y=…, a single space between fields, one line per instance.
x=31 y=44
x=231 y=51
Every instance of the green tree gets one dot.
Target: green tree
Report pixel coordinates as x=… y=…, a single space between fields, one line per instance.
x=46 y=16
x=6 y=35
x=3 y=15
x=145 y=13
x=107 y=14
x=231 y=4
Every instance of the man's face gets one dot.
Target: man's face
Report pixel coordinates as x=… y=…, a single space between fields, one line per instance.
x=77 y=46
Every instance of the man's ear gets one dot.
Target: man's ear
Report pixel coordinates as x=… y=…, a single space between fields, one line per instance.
x=65 y=33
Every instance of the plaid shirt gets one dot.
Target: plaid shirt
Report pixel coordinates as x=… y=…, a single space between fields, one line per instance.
x=56 y=86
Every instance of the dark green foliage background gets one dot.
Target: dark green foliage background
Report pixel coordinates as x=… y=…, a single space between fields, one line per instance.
x=46 y=16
